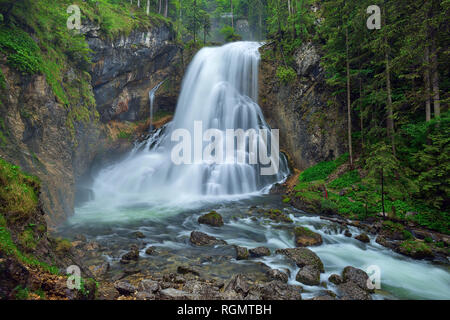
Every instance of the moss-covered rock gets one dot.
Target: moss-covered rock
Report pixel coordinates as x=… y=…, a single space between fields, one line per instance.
x=241 y=253
x=212 y=218
x=305 y=237
x=415 y=249
x=277 y=216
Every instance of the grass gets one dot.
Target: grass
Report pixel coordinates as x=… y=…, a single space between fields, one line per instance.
x=18 y=192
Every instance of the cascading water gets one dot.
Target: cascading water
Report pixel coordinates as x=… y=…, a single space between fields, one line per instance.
x=151 y=98
x=220 y=90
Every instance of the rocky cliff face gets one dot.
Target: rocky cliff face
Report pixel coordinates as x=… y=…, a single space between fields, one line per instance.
x=125 y=69
x=39 y=134
x=310 y=131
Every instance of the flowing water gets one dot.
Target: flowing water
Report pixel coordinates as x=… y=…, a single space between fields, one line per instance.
x=147 y=192
x=151 y=98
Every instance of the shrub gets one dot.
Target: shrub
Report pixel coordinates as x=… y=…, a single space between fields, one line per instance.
x=286 y=74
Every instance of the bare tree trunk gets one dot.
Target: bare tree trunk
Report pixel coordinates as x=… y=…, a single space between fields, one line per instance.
x=232 y=16
x=160 y=6
x=361 y=113
x=390 y=112
x=139 y=3
x=349 y=118
x=426 y=75
x=166 y=10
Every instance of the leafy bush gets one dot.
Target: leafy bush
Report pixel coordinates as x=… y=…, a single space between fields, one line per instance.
x=229 y=34
x=286 y=74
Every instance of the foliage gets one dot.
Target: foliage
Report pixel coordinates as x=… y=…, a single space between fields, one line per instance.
x=286 y=75
x=321 y=170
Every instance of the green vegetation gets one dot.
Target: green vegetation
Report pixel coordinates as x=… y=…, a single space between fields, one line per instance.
x=286 y=74
x=124 y=135
x=322 y=170
x=18 y=192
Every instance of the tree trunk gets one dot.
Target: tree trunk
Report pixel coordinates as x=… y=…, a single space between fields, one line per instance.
x=160 y=6
x=435 y=78
x=148 y=7
x=426 y=75
x=232 y=16
x=166 y=10
x=349 y=118
x=390 y=112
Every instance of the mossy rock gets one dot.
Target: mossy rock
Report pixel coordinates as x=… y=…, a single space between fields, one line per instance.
x=277 y=216
x=212 y=218
x=305 y=237
x=415 y=249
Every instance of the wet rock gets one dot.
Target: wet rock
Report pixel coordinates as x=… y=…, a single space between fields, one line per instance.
x=276 y=290
x=351 y=291
x=107 y=291
x=203 y=290
x=356 y=275
x=335 y=278
x=276 y=274
x=150 y=251
x=124 y=288
x=138 y=235
x=99 y=270
x=213 y=219
x=277 y=216
x=174 y=294
x=259 y=252
x=145 y=296
x=305 y=237
x=363 y=237
x=347 y=233
x=308 y=275
x=238 y=284
x=302 y=257
x=325 y=295
x=188 y=269
x=415 y=249
x=385 y=242
x=132 y=255
x=149 y=286
x=241 y=253
x=202 y=239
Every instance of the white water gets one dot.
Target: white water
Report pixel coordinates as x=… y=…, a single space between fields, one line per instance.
x=220 y=89
x=151 y=97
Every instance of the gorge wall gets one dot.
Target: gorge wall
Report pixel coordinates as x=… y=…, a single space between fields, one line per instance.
x=40 y=134
x=310 y=130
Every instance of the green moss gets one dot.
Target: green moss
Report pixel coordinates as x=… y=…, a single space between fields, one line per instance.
x=415 y=247
x=277 y=216
x=303 y=231
x=63 y=246
x=124 y=135
x=21 y=293
x=286 y=200
x=27 y=239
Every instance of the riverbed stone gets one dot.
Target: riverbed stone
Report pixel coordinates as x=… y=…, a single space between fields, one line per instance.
x=363 y=237
x=175 y=294
x=276 y=290
x=202 y=239
x=212 y=218
x=125 y=288
x=308 y=275
x=356 y=275
x=149 y=286
x=188 y=269
x=139 y=235
x=259 y=252
x=275 y=274
x=302 y=257
x=241 y=253
x=305 y=237
x=335 y=278
x=132 y=255
x=351 y=291
x=150 y=250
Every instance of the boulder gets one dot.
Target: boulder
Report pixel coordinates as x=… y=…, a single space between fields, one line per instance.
x=275 y=290
x=187 y=269
x=356 y=275
x=202 y=239
x=138 y=235
x=132 y=255
x=174 y=294
x=305 y=237
x=241 y=253
x=351 y=291
x=259 y=252
x=347 y=233
x=213 y=219
x=238 y=284
x=124 y=288
x=335 y=278
x=303 y=257
x=308 y=275
x=275 y=274
x=363 y=237
x=149 y=286
x=150 y=251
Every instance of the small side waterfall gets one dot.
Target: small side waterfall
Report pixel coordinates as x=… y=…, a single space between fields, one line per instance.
x=151 y=97
x=219 y=91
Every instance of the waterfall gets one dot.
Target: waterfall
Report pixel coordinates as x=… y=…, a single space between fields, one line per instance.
x=151 y=97
x=220 y=91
